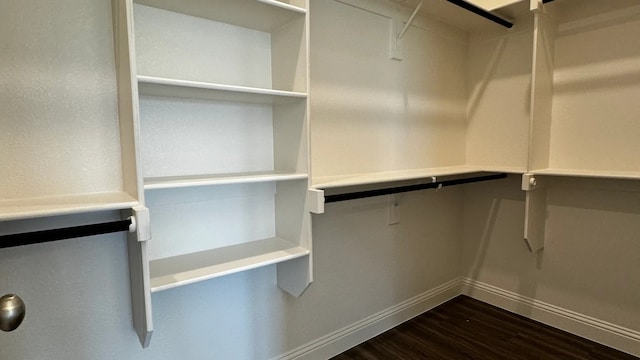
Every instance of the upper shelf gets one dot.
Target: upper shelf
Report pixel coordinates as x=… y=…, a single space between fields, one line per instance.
x=326 y=182
x=263 y=15
x=64 y=205
x=157 y=86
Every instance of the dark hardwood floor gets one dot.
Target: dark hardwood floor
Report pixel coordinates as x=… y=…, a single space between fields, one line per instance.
x=464 y=328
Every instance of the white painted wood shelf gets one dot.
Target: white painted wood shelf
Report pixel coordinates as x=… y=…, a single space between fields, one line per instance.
x=263 y=15
x=327 y=182
x=589 y=173
x=208 y=180
x=186 y=269
x=157 y=86
x=64 y=205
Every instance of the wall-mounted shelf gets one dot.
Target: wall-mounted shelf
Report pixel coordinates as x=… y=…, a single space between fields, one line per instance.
x=208 y=180
x=64 y=205
x=328 y=182
x=263 y=15
x=155 y=86
x=186 y=269
x=611 y=174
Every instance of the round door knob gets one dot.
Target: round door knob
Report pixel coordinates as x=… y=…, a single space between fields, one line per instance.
x=12 y=310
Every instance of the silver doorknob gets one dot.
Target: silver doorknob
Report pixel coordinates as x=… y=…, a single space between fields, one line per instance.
x=12 y=311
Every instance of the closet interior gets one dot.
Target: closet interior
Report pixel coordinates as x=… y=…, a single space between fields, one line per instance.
x=220 y=126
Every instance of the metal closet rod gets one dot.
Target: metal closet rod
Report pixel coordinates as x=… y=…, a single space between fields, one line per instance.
x=408 y=188
x=485 y=14
x=42 y=236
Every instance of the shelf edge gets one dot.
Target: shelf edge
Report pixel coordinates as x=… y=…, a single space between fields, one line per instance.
x=229 y=268
x=213 y=181
x=207 y=86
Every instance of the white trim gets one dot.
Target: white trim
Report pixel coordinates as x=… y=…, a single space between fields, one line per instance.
x=612 y=335
x=358 y=332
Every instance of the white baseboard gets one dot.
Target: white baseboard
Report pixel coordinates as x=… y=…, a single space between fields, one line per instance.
x=617 y=337
x=363 y=330
x=612 y=335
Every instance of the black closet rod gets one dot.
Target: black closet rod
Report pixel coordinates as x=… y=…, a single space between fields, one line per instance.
x=485 y=14
x=36 y=237
x=407 y=188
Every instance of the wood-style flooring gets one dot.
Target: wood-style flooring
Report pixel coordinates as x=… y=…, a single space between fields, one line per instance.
x=464 y=328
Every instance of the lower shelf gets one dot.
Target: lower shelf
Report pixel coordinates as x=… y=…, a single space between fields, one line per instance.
x=186 y=269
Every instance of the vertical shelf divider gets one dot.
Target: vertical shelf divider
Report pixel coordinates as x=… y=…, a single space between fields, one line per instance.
x=540 y=126
x=139 y=280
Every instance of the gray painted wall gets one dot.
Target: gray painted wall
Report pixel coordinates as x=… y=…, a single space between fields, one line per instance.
x=77 y=291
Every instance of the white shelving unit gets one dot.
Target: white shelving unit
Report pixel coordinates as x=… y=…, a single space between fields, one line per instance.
x=583 y=113
x=589 y=124
x=468 y=116
x=552 y=96
x=224 y=138
x=66 y=128
x=200 y=110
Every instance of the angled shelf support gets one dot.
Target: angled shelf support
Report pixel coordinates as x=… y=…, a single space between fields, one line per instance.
x=295 y=276
x=396 y=34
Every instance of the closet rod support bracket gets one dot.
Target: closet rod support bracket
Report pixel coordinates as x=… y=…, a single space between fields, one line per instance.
x=140 y=222
x=396 y=34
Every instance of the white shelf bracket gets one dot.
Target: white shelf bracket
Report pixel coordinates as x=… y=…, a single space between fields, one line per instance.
x=395 y=36
x=315 y=200
x=535 y=211
x=295 y=276
x=142 y=222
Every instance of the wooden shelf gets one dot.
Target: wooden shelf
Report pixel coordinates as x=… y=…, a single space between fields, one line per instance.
x=206 y=180
x=326 y=182
x=263 y=15
x=64 y=205
x=157 y=86
x=589 y=173
x=186 y=269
